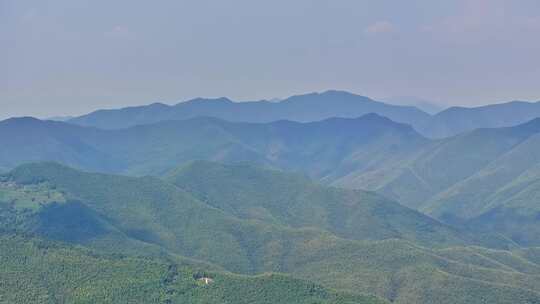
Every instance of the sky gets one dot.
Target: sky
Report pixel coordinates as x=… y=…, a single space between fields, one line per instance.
x=69 y=57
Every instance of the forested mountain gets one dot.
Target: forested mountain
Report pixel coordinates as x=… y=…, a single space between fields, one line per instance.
x=329 y=147
x=114 y=191
x=150 y=217
x=192 y=211
x=288 y=199
x=300 y=108
x=77 y=275
x=481 y=177
x=486 y=176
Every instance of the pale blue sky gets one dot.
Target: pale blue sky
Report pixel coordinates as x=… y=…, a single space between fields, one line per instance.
x=73 y=56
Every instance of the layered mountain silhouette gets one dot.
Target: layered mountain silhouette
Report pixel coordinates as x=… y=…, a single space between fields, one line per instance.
x=328 y=196
x=301 y=108
x=318 y=148
x=320 y=106
x=486 y=178
x=457 y=120
x=474 y=179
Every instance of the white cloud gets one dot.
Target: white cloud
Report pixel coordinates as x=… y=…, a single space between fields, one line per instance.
x=380 y=27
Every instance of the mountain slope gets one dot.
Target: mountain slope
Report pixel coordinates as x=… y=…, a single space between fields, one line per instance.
x=280 y=198
x=153 y=212
x=502 y=196
x=457 y=120
x=328 y=148
x=39 y=271
x=430 y=167
x=427 y=106
x=488 y=175
x=443 y=177
x=301 y=108
x=491 y=186
x=28 y=139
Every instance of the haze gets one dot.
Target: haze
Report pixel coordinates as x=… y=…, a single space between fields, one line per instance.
x=70 y=57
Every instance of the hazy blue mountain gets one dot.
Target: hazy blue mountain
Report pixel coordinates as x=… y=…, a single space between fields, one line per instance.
x=324 y=149
x=454 y=179
x=301 y=108
x=114 y=213
x=28 y=139
x=320 y=106
x=456 y=120
x=427 y=106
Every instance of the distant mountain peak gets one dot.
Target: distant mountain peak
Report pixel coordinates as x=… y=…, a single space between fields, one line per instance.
x=218 y=100
x=24 y=120
x=302 y=108
x=158 y=105
x=338 y=93
x=328 y=94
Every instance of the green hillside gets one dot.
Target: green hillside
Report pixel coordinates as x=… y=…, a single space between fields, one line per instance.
x=502 y=196
x=149 y=217
x=282 y=198
x=485 y=180
x=490 y=186
x=38 y=271
x=425 y=174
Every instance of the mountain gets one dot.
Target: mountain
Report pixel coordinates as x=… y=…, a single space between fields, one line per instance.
x=28 y=139
x=328 y=148
x=282 y=198
x=457 y=120
x=427 y=106
x=438 y=123
x=300 y=108
x=369 y=153
x=486 y=176
x=135 y=216
x=77 y=275
x=502 y=196
x=429 y=170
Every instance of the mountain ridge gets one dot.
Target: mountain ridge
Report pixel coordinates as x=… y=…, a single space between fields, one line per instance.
x=159 y=213
x=319 y=106
x=297 y=108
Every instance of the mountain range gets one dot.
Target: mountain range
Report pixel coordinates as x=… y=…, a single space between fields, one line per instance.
x=427 y=106
x=332 y=145
x=300 y=108
x=318 y=198
x=178 y=220
x=493 y=172
x=456 y=120
x=319 y=106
